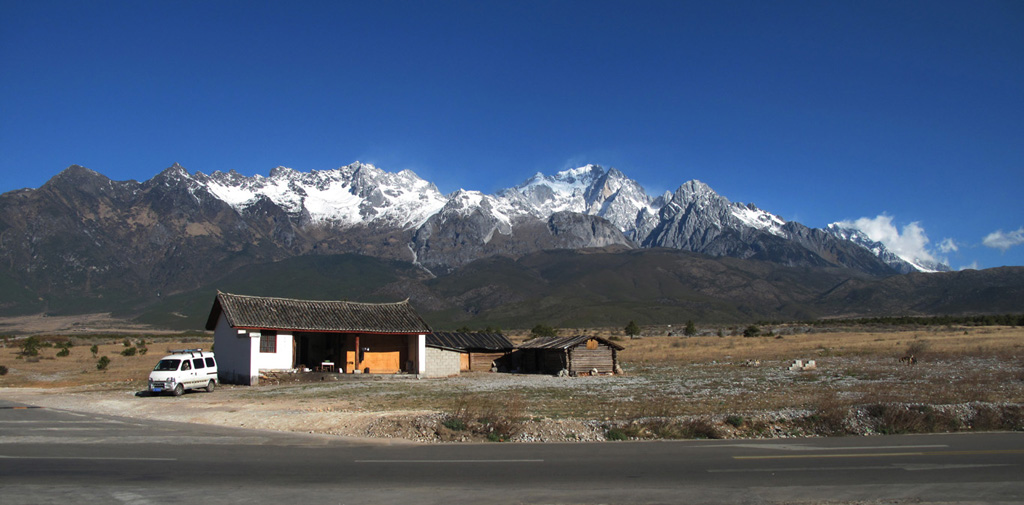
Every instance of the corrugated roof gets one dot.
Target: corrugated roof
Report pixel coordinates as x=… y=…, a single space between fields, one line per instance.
x=564 y=342
x=470 y=341
x=270 y=313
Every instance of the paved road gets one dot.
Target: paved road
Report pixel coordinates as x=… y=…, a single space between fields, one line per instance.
x=54 y=456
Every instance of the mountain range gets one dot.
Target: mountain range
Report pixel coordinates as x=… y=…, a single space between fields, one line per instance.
x=83 y=242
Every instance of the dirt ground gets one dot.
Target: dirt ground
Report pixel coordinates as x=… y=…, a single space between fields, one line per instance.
x=710 y=386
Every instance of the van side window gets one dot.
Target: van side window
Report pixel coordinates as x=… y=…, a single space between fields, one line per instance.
x=198 y=362
x=210 y=363
x=185 y=365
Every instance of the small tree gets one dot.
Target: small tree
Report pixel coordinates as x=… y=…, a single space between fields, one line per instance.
x=30 y=346
x=543 y=330
x=690 y=330
x=128 y=352
x=102 y=363
x=632 y=329
x=751 y=331
x=95 y=349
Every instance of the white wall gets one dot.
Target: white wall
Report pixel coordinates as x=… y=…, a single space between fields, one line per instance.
x=417 y=353
x=280 y=360
x=234 y=354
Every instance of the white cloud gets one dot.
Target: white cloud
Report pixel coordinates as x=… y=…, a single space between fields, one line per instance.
x=972 y=266
x=1002 y=240
x=910 y=244
x=948 y=245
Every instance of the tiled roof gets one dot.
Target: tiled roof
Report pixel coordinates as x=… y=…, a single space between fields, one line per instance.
x=470 y=341
x=564 y=342
x=270 y=313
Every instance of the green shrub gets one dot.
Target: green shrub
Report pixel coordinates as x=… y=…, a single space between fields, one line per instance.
x=734 y=420
x=751 y=331
x=3 y=370
x=454 y=424
x=128 y=352
x=127 y=342
x=63 y=352
x=94 y=350
x=616 y=434
x=103 y=363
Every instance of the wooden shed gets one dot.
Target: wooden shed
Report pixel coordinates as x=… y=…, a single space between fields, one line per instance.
x=478 y=352
x=581 y=355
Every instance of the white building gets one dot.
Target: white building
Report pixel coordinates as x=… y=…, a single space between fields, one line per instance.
x=256 y=333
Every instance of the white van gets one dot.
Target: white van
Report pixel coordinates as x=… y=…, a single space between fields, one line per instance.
x=184 y=369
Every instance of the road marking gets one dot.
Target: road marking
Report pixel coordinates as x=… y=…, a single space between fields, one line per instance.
x=884 y=454
x=93 y=421
x=88 y=458
x=798 y=447
x=918 y=467
x=431 y=461
x=907 y=467
x=40 y=438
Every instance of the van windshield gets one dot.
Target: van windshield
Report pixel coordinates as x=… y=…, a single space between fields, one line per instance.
x=167 y=365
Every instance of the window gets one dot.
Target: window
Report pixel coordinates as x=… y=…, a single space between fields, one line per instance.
x=197 y=363
x=210 y=363
x=185 y=365
x=167 y=365
x=268 y=341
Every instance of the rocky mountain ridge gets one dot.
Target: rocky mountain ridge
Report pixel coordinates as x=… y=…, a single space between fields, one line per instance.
x=84 y=239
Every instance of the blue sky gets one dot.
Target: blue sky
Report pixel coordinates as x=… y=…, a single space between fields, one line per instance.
x=908 y=116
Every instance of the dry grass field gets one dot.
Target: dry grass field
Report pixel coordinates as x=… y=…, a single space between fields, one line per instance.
x=673 y=387
x=78 y=368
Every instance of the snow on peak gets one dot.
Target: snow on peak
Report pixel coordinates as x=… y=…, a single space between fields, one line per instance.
x=756 y=218
x=355 y=194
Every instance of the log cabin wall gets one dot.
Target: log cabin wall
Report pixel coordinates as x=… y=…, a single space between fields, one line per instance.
x=481 y=361
x=582 y=360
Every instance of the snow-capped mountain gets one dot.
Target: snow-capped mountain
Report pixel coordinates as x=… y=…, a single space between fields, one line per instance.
x=180 y=229
x=588 y=190
x=456 y=228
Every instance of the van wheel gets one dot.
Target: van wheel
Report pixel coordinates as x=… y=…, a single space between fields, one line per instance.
x=178 y=390
x=210 y=385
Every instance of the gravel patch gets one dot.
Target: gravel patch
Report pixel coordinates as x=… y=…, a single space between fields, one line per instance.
x=849 y=395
